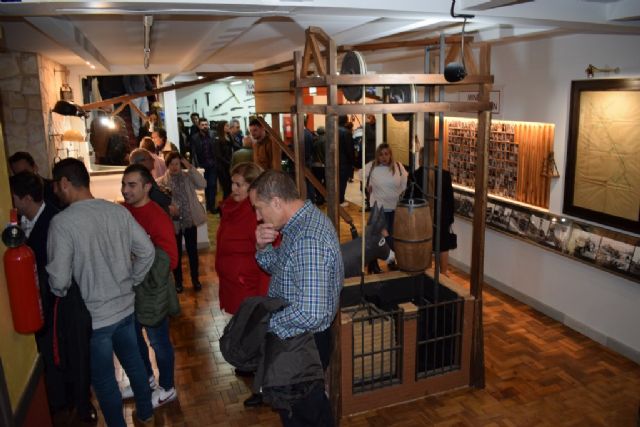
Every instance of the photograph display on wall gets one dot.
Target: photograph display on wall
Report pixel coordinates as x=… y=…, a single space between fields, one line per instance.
x=609 y=250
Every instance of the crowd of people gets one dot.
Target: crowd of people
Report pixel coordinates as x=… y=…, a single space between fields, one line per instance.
x=110 y=271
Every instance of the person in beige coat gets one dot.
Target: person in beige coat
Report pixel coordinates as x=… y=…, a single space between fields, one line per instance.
x=183 y=180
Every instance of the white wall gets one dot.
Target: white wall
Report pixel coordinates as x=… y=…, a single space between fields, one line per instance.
x=535 y=79
x=219 y=93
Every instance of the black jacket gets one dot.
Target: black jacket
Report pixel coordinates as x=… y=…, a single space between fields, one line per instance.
x=286 y=370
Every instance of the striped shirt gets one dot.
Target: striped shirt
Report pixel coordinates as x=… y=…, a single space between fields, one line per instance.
x=306 y=271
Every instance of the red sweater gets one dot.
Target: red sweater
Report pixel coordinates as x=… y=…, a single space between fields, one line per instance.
x=158 y=226
x=238 y=272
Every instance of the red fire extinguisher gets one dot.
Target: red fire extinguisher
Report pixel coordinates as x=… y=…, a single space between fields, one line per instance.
x=22 y=279
x=288 y=127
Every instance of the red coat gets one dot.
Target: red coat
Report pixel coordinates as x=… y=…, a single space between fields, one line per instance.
x=238 y=272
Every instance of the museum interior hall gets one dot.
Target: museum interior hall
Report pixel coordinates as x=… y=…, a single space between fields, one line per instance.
x=510 y=296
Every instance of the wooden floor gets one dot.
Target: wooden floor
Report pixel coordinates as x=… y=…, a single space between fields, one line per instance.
x=538 y=373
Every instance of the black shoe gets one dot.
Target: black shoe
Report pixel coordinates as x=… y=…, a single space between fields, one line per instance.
x=241 y=373
x=197 y=286
x=179 y=288
x=373 y=267
x=254 y=400
x=393 y=266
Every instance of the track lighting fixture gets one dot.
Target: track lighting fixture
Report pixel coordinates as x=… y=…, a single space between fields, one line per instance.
x=455 y=71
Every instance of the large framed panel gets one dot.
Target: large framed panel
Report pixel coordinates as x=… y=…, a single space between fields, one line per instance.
x=602 y=181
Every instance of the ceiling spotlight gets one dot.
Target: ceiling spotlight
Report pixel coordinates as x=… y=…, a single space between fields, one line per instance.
x=455 y=71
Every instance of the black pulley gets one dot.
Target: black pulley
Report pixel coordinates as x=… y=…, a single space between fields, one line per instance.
x=402 y=94
x=353 y=63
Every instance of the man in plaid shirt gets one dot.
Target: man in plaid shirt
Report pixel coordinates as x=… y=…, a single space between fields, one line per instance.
x=306 y=271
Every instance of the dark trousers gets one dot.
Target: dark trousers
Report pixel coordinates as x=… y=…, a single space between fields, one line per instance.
x=224 y=176
x=315 y=409
x=345 y=175
x=191 y=244
x=389 y=216
x=318 y=172
x=211 y=176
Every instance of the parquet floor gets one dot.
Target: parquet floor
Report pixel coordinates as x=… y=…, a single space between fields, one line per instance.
x=538 y=373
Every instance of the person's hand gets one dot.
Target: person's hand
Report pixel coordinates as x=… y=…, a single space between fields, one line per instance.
x=265 y=234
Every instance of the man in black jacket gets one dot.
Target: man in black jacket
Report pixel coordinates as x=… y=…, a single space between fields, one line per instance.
x=203 y=146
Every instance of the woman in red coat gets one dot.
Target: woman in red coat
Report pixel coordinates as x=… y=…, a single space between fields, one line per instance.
x=238 y=272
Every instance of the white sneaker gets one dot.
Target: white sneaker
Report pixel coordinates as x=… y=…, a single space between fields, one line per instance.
x=127 y=392
x=161 y=396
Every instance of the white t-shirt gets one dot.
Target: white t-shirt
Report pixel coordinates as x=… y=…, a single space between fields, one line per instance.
x=386 y=186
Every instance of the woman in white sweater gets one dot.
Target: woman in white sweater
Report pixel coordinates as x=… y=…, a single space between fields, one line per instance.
x=385 y=180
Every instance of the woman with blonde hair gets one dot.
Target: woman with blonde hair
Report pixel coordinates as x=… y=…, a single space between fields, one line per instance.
x=385 y=180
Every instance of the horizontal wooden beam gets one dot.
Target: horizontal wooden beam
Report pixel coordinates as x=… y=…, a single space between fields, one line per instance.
x=435 y=41
x=423 y=107
x=389 y=79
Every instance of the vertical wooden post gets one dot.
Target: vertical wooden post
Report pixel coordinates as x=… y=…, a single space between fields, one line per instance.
x=331 y=146
x=479 y=213
x=298 y=136
x=276 y=161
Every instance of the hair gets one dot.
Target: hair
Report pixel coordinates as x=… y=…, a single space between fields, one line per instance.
x=194 y=114
x=392 y=163
x=272 y=183
x=22 y=155
x=147 y=144
x=255 y=122
x=171 y=156
x=162 y=134
x=139 y=155
x=145 y=175
x=343 y=120
x=234 y=122
x=27 y=184
x=74 y=170
x=202 y=119
x=247 y=170
x=220 y=128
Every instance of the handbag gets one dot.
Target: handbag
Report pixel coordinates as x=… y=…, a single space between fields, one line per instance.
x=453 y=239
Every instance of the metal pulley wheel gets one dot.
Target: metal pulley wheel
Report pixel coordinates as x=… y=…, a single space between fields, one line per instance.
x=353 y=63
x=402 y=94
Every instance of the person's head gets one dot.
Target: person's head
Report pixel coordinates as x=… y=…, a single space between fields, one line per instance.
x=152 y=117
x=384 y=155
x=371 y=119
x=27 y=190
x=272 y=194
x=173 y=162
x=159 y=137
x=222 y=128
x=195 y=118
x=136 y=184
x=21 y=161
x=234 y=126
x=320 y=130
x=141 y=156
x=343 y=120
x=147 y=144
x=180 y=123
x=256 y=130
x=203 y=125
x=70 y=178
x=242 y=176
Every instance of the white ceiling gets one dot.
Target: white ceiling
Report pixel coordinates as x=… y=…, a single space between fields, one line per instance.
x=239 y=35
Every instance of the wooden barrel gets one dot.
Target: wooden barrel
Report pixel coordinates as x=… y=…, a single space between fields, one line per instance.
x=412 y=235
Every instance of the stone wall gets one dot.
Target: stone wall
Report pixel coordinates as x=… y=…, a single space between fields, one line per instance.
x=29 y=89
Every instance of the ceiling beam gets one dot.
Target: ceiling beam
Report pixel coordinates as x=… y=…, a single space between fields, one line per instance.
x=219 y=36
x=62 y=31
x=624 y=10
x=383 y=27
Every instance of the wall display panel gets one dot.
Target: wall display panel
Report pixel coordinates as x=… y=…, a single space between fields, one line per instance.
x=602 y=248
x=519 y=154
x=603 y=166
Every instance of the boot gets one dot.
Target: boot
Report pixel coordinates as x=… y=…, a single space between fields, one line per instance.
x=373 y=267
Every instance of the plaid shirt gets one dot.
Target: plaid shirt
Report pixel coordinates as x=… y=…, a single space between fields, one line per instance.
x=306 y=271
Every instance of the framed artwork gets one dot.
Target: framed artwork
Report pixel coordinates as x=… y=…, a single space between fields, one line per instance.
x=602 y=181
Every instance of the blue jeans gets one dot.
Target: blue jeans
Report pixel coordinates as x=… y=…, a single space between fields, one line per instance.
x=211 y=176
x=162 y=347
x=119 y=338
